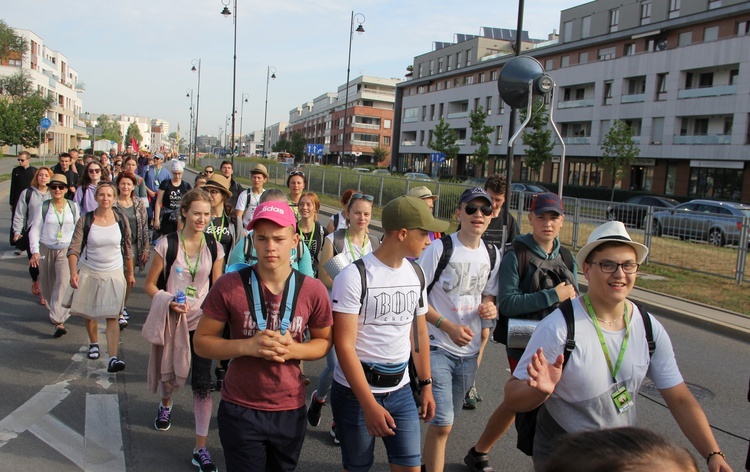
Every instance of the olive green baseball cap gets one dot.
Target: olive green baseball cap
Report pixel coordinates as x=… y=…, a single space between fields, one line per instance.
x=411 y=213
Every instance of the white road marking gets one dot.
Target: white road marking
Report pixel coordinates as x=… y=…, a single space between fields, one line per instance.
x=103 y=428
x=61 y=438
x=32 y=411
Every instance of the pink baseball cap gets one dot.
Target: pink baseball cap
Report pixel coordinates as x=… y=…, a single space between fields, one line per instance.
x=278 y=212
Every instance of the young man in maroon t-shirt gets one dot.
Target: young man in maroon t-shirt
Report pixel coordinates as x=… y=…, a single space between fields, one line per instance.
x=262 y=410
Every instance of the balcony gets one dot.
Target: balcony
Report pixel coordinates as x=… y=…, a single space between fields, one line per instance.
x=408 y=143
x=366 y=125
x=707 y=91
x=633 y=98
x=704 y=139
x=458 y=114
x=586 y=102
x=577 y=139
x=357 y=142
x=461 y=142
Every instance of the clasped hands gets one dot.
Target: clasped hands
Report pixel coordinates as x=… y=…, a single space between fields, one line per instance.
x=271 y=345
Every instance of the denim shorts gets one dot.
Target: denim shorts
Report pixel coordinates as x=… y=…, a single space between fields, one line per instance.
x=357 y=446
x=452 y=377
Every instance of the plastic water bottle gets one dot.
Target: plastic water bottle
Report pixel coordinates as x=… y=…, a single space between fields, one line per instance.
x=179 y=297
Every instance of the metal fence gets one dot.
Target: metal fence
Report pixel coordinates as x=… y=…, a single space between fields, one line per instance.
x=707 y=243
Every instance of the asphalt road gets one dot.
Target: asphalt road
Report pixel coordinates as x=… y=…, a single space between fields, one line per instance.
x=63 y=412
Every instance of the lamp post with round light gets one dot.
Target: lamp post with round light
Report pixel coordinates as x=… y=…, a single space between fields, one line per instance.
x=244 y=100
x=360 y=29
x=270 y=74
x=227 y=14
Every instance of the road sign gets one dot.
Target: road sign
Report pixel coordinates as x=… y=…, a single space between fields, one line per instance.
x=438 y=157
x=45 y=123
x=315 y=149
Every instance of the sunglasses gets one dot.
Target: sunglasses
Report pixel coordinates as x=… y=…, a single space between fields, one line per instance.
x=56 y=187
x=471 y=209
x=21 y=160
x=296 y=172
x=95 y=171
x=209 y=172
x=362 y=196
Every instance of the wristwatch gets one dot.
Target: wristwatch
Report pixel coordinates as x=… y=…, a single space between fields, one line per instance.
x=425 y=382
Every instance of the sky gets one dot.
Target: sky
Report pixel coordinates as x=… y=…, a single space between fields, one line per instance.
x=135 y=56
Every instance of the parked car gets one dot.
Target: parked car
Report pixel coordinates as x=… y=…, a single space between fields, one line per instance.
x=361 y=170
x=418 y=176
x=381 y=172
x=633 y=210
x=719 y=223
x=528 y=191
x=183 y=157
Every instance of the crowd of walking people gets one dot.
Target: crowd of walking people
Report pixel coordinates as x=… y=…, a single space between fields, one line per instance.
x=248 y=283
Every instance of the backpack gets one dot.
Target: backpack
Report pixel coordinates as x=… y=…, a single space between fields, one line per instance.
x=257 y=304
x=336 y=221
x=549 y=274
x=413 y=378
x=526 y=421
x=338 y=241
x=252 y=259
x=173 y=240
x=23 y=242
x=88 y=220
x=445 y=258
x=45 y=208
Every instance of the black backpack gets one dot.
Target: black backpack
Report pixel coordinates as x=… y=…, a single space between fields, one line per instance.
x=173 y=240
x=445 y=258
x=88 y=220
x=526 y=421
x=549 y=274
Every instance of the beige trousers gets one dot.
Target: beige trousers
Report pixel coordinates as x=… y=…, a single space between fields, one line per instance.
x=54 y=276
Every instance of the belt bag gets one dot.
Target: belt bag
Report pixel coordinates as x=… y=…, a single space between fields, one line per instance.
x=383 y=375
x=519 y=332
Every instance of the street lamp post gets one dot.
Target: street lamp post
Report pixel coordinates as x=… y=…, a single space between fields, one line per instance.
x=360 y=29
x=226 y=138
x=270 y=74
x=226 y=14
x=189 y=93
x=197 y=108
x=245 y=97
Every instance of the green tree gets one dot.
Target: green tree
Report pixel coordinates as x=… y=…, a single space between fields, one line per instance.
x=21 y=108
x=297 y=145
x=445 y=140
x=618 y=151
x=12 y=46
x=108 y=129
x=380 y=154
x=282 y=145
x=480 y=135
x=538 y=139
x=133 y=132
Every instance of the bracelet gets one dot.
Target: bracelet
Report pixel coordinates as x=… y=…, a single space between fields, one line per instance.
x=440 y=320
x=715 y=453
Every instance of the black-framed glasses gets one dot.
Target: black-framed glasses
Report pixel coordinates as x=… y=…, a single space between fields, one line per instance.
x=56 y=187
x=22 y=160
x=296 y=172
x=209 y=172
x=362 y=196
x=213 y=191
x=609 y=267
x=485 y=209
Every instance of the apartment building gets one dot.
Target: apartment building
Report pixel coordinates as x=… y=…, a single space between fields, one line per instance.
x=677 y=71
x=52 y=75
x=369 y=120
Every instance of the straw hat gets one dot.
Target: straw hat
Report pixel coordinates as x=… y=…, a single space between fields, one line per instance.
x=220 y=182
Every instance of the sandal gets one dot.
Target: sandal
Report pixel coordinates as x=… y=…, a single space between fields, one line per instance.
x=60 y=330
x=35 y=288
x=42 y=301
x=93 y=351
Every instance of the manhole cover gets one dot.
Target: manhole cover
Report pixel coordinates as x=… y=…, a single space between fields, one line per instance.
x=700 y=393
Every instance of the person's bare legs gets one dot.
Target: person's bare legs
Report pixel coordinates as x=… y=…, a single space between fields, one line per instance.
x=113 y=337
x=434 y=447
x=502 y=419
x=92 y=328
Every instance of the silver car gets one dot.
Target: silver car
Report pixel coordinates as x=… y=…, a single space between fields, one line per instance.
x=719 y=223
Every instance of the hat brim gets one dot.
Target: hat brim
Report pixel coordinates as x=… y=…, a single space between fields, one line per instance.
x=540 y=211
x=439 y=226
x=226 y=192
x=255 y=171
x=641 y=251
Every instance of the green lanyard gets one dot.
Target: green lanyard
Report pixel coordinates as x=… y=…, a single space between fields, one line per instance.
x=310 y=241
x=60 y=216
x=605 y=349
x=351 y=246
x=221 y=228
x=194 y=269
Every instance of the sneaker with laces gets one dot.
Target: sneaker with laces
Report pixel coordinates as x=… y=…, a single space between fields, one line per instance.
x=478 y=462
x=334 y=434
x=202 y=459
x=470 y=401
x=115 y=365
x=315 y=409
x=125 y=314
x=163 y=419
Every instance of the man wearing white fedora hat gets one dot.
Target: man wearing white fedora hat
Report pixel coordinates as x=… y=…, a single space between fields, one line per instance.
x=596 y=387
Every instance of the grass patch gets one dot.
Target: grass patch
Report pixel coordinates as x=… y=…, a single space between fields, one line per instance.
x=4 y=177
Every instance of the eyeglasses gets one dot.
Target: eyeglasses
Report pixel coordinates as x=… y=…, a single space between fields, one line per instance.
x=209 y=172
x=22 y=160
x=362 y=196
x=95 y=171
x=471 y=209
x=213 y=192
x=611 y=267
x=296 y=172
x=56 y=187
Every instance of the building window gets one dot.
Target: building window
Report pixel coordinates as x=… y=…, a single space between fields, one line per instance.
x=706 y=80
x=674 y=8
x=733 y=74
x=549 y=64
x=606 y=54
x=476 y=104
x=714 y=4
x=450 y=62
x=432 y=66
x=469 y=80
x=565 y=61
x=458 y=60
x=421 y=89
x=14 y=62
x=586 y=27
x=482 y=78
x=493 y=75
x=629 y=49
x=411 y=115
x=711 y=34
x=567 y=31
x=420 y=71
x=657 y=130
x=742 y=28
x=468 y=57
x=645 y=13
x=685 y=39
x=488 y=105
x=661 y=86
x=583 y=57
x=440 y=65
x=386 y=140
x=614 y=20
x=424 y=112
x=387 y=124
x=499 y=135
x=607 y=99
x=711 y=182
x=500 y=107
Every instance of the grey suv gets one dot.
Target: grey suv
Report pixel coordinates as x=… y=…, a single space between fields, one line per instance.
x=719 y=223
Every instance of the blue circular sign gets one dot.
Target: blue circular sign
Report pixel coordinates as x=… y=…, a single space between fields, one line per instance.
x=45 y=123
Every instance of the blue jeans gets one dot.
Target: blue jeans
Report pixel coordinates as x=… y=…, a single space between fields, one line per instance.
x=357 y=445
x=326 y=376
x=452 y=377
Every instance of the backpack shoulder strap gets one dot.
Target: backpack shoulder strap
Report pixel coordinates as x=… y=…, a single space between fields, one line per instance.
x=335 y=221
x=249 y=249
x=492 y=252
x=570 y=342
x=420 y=273
x=245 y=277
x=445 y=258
x=363 y=276
x=414 y=326
x=374 y=242
x=522 y=254
x=649 y=327
x=88 y=218
x=300 y=249
x=567 y=258
x=169 y=258
x=338 y=241
x=72 y=206
x=45 y=209
x=289 y=297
